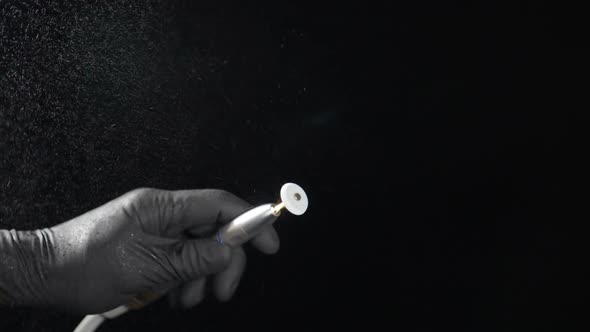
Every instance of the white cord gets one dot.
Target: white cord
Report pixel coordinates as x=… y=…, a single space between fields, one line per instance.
x=91 y=322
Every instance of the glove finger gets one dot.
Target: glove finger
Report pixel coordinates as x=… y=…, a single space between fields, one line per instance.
x=194 y=259
x=184 y=210
x=226 y=282
x=192 y=293
x=267 y=241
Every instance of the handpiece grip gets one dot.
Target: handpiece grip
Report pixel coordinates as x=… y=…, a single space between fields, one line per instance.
x=237 y=232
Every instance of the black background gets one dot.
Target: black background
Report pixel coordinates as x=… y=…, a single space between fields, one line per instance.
x=433 y=141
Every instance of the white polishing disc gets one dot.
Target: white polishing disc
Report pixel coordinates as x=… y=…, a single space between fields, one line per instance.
x=294 y=198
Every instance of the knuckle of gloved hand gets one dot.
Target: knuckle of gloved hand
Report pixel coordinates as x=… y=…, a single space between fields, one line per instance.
x=219 y=194
x=143 y=192
x=133 y=203
x=136 y=196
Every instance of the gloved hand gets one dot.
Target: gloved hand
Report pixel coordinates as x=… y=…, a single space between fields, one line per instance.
x=145 y=240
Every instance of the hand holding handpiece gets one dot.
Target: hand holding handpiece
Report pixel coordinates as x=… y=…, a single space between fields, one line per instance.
x=146 y=240
x=138 y=247
x=254 y=224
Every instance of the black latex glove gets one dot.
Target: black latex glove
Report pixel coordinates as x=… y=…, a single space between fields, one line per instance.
x=145 y=240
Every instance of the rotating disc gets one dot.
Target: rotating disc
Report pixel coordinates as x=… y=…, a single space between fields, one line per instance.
x=294 y=198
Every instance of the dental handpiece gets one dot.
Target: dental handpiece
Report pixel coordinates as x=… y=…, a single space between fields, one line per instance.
x=237 y=232
x=251 y=223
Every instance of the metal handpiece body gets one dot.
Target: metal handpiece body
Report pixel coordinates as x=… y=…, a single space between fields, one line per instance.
x=246 y=225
